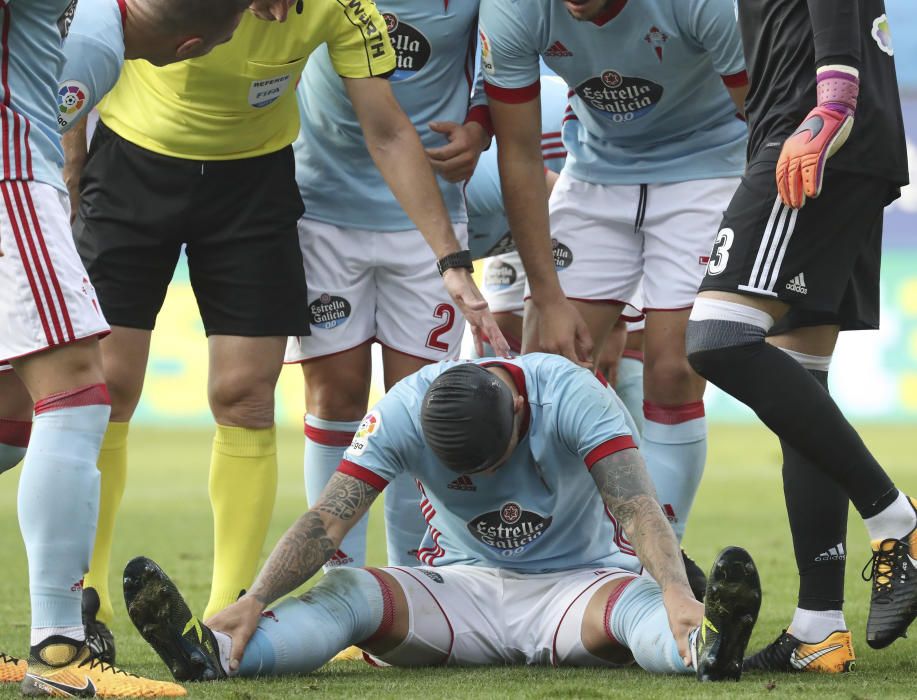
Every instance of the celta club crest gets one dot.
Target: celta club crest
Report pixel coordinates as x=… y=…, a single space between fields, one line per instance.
x=656 y=38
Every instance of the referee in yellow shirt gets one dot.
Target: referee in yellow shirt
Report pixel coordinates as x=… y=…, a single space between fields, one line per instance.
x=199 y=154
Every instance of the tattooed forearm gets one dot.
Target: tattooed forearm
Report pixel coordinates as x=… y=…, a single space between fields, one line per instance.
x=314 y=538
x=628 y=492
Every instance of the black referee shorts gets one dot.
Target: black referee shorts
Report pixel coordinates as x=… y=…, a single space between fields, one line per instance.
x=823 y=260
x=237 y=218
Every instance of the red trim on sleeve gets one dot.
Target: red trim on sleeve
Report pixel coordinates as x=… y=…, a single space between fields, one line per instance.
x=91 y=395
x=673 y=415
x=609 y=447
x=15 y=432
x=329 y=438
x=363 y=474
x=122 y=6
x=480 y=114
x=736 y=79
x=513 y=96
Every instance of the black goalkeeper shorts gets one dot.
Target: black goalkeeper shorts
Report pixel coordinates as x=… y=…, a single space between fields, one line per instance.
x=237 y=219
x=823 y=260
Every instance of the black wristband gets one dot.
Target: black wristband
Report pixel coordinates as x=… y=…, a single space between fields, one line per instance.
x=459 y=259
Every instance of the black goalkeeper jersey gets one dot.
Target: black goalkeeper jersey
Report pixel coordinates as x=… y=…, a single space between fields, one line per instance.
x=781 y=57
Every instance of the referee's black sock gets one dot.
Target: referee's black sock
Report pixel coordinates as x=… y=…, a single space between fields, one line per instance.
x=734 y=355
x=817 y=509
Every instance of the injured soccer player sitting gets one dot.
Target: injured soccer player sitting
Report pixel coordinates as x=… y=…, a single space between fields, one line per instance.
x=536 y=500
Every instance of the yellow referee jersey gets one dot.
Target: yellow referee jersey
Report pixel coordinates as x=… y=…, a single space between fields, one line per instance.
x=239 y=101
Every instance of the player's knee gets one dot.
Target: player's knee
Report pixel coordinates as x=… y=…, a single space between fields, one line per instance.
x=242 y=402
x=669 y=379
x=342 y=396
x=716 y=325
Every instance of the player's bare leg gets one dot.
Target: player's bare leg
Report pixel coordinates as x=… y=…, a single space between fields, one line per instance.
x=726 y=343
x=15 y=420
x=242 y=376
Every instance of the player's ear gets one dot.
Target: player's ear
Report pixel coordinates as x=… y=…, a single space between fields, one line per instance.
x=189 y=48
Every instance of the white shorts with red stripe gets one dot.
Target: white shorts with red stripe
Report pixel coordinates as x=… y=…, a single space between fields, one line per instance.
x=476 y=616
x=609 y=237
x=46 y=299
x=369 y=285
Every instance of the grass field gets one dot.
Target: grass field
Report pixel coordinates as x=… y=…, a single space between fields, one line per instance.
x=166 y=515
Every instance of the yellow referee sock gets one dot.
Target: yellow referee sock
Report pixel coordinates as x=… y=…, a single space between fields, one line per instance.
x=113 y=466
x=243 y=486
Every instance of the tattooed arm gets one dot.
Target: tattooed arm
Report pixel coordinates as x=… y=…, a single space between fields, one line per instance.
x=314 y=538
x=628 y=492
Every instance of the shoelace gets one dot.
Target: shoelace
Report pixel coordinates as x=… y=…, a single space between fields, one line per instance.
x=103 y=667
x=777 y=652
x=884 y=566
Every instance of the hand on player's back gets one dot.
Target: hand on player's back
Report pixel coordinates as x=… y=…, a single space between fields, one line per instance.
x=239 y=621
x=557 y=327
x=471 y=303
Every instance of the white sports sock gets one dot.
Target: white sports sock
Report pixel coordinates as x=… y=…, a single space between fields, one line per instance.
x=40 y=634
x=813 y=626
x=224 y=644
x=895 y=522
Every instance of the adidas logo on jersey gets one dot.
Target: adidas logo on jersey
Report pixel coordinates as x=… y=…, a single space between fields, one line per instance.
x=558 y=50
x=463 y=483
x=798 y=284
x=836 y=553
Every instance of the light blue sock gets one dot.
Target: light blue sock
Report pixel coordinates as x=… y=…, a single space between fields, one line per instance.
x=674 y=447
x=345 y=607
x=59 y=502
x=404 y=522
x=326 y=441
x=630 y=388
x=14 y=439
x=638 y=620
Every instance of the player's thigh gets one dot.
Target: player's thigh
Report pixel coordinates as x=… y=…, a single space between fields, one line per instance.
x=15 y=401
x=341 y=300
x=679 y=227
x=134 y=213
x=244 y=256
x=597 y=247
x=49 y=311
x=453 y=617
x=415 y=314
x=805 y=258
x=337 y=385
x=398 y=365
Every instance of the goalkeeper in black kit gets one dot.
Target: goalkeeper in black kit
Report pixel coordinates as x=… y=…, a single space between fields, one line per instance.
x=796 y=260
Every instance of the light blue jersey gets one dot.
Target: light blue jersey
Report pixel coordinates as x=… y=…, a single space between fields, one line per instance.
x=32 y=34
x=541 y=510
x=94 y=54
x=488 y=229
x=649 y=104
x=339 y=183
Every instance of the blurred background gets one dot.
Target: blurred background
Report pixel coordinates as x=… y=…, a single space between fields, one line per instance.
x=874 y=375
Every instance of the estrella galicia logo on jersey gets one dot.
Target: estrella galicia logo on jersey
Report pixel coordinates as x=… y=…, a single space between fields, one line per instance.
x=412 y=48
x=509 y=530
x=329 y=312
x=432 y=575
x=619 y=98
x=369 y=427
x=499 y=275
x=66 y=19
x=71 y=98
x=563 y=256
x=882 y=34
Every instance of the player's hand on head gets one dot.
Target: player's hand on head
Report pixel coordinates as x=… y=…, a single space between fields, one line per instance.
x=557 y=327
x=239 y=621
x=474 y=308
x=271 y=10
x=456 y=160
x=685 y=615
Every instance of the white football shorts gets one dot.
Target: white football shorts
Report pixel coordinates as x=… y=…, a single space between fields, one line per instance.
x=609 y=237
x=369 y=285
x=46 y=299
x=495 y=616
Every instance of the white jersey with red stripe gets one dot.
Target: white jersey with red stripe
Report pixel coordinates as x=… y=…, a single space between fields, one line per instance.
x=541 y=510
x=648 y=104
x=32 y=36
x=94 y=55
x=488 y=229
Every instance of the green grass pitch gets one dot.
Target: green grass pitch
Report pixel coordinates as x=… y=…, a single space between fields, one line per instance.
x=166 y=515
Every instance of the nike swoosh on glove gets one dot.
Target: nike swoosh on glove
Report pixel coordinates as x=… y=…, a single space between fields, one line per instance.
x=801 y=167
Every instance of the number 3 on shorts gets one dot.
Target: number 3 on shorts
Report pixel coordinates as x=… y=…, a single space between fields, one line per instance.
x=720 y=255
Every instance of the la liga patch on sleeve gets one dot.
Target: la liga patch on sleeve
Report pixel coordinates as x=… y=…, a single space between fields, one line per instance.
x=369 y=427
x=72 y=98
